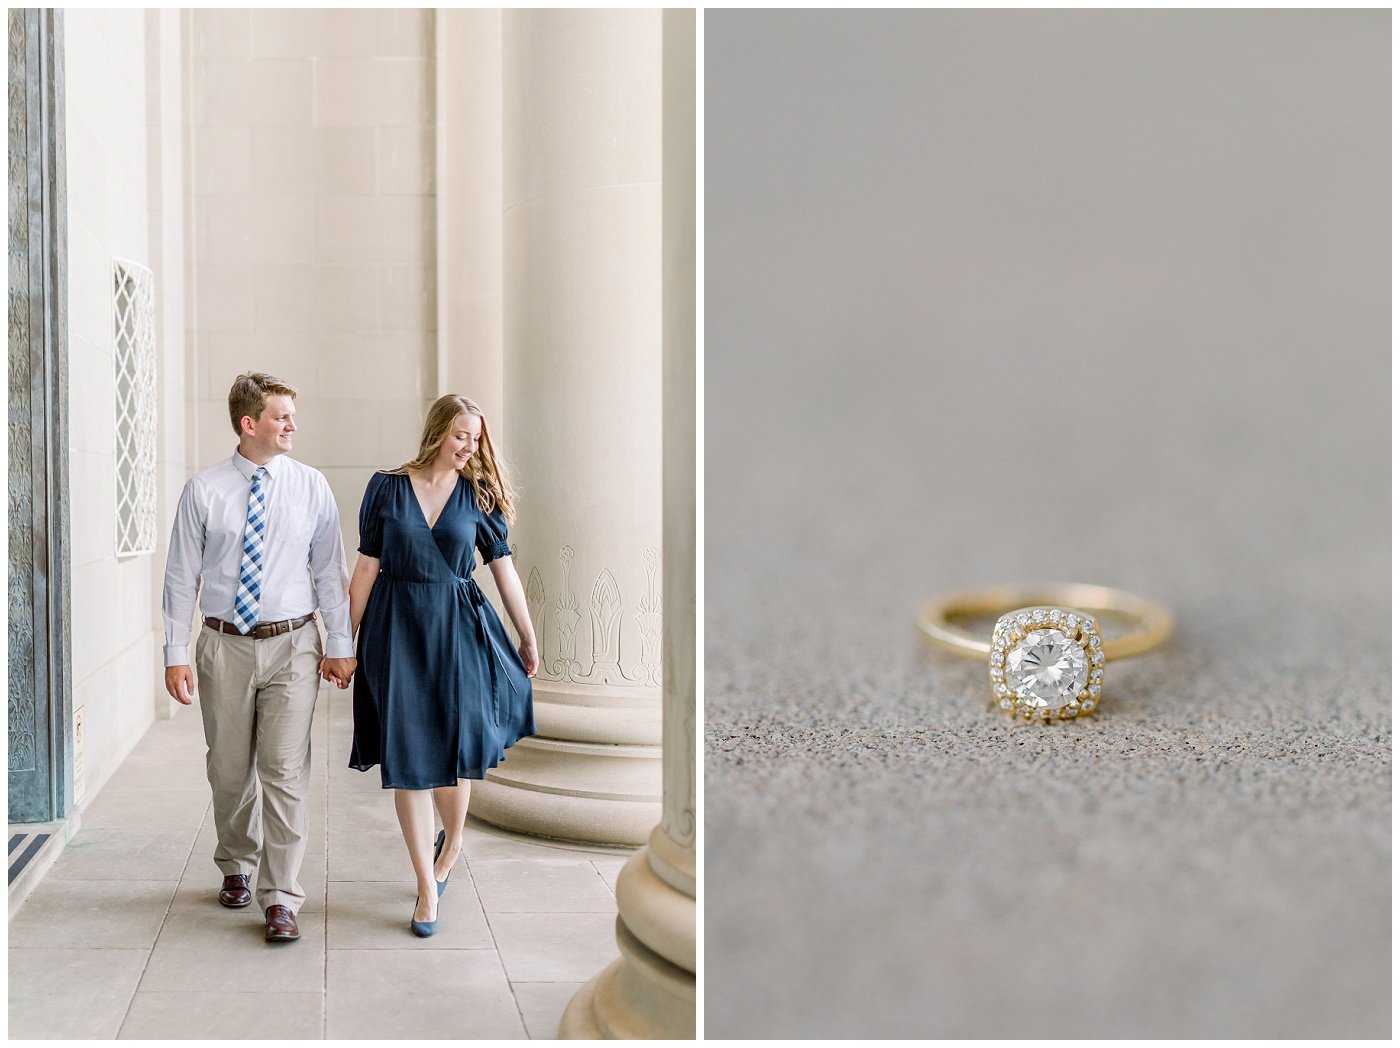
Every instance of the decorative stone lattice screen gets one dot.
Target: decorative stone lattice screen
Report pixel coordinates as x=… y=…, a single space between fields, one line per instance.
x=135 y=337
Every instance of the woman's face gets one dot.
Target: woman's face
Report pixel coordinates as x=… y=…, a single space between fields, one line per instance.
x=461 y=441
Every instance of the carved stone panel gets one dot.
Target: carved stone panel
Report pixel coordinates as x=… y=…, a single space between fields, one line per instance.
x=606 y=661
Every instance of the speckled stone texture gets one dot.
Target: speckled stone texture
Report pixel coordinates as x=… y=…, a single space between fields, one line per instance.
x=1154 y=245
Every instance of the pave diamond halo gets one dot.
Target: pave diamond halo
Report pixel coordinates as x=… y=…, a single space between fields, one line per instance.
x=1046 y=656
x=1046 y=663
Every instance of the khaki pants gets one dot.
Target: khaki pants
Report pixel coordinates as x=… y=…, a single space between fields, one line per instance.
x=257 y=698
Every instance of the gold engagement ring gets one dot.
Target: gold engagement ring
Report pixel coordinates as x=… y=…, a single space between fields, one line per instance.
x=1047 y=651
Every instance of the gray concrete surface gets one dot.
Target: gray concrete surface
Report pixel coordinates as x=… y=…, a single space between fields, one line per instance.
x=1019 y=296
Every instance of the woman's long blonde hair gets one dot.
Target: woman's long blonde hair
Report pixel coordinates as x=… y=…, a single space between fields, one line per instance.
x=485 y=469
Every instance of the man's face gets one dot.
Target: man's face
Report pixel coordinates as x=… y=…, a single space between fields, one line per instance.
x=272 y=433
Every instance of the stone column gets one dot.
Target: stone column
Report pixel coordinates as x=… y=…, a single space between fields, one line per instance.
x=581 y=191
x=467 y=43
x=649 y=992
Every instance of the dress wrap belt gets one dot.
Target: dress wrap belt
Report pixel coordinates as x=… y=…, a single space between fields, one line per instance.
x=495 y=657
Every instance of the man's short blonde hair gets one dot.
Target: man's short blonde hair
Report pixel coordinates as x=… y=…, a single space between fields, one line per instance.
x=249 y=396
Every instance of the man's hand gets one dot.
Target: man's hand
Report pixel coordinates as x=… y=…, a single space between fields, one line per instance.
x=179 y=682
x=338 y=671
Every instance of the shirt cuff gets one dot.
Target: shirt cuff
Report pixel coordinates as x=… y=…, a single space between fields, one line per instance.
x=339 y=647
x=177 y=655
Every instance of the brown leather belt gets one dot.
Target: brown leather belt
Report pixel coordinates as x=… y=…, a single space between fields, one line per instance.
x=262 y=630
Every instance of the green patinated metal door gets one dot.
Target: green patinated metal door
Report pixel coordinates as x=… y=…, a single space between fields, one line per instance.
x=41 y=751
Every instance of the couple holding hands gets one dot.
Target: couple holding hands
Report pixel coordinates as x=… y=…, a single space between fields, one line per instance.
x=439 y=692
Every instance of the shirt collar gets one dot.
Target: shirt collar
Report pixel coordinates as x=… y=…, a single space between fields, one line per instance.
x=247 y=468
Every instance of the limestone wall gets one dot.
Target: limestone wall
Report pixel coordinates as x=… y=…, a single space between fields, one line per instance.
x=313 y=238
x=107 y=205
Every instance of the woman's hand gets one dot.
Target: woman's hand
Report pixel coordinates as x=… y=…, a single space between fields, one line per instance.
x=529 y=656
x=337 y=671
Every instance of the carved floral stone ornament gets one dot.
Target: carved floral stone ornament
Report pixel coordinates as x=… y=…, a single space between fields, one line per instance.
x=559 y=625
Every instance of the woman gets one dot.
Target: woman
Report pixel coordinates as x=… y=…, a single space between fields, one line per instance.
x=439 y=693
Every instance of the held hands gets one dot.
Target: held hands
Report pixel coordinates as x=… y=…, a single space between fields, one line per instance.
x=337 y=671
x=179 y=682
x=529 y=656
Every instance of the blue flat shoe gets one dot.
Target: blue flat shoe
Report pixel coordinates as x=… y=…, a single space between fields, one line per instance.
x=437 y=850
x=422 y=929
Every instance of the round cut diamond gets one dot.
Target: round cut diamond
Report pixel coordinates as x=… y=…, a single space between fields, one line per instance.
x=1046 y=669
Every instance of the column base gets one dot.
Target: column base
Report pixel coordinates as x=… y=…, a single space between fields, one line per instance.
x=640 y=996
x=590 y=793
x=649 y=992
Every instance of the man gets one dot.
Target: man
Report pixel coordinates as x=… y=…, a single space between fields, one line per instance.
x=262 y=532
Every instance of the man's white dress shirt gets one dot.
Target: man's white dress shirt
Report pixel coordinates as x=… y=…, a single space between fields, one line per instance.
x=303 y=558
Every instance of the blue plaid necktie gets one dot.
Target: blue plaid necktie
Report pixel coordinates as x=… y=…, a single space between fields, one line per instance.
x=245 y=605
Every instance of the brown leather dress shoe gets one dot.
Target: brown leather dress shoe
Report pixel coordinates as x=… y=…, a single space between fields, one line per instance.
x=281 y=925
x=235 y=894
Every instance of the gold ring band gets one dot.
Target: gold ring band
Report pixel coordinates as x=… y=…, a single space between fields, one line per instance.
x=1046 y=653
x=1153 y=620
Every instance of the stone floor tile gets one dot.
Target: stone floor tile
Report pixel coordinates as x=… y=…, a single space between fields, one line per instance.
x=79 y=994
x=339 y=743
x=48 y=998
x=66 y=1016
x=148 y=809
x=197 y=954
x=554 y=947
x=159 y=774
x=372 y=855
x=608 y=869
x=238 y=1016
x=542 y=1006
x=357 y=810
x=482 y=842
x=409 y=994
x=342 y=781
x=178 y=740
x=374 y=915
x=124 y=854
x=125 y=914
x=37 y=972
x=523 y=886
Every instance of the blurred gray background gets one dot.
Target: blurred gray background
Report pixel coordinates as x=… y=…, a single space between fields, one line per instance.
x=1014 y=296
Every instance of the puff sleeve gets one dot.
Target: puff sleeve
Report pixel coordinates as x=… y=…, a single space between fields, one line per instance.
x=371 y=516
x=491 y=536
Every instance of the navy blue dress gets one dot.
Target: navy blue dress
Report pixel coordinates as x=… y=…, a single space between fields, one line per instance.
x=440 y=691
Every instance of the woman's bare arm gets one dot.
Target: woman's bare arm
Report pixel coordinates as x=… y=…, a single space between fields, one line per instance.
x=513 y=596
x=361 y=582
